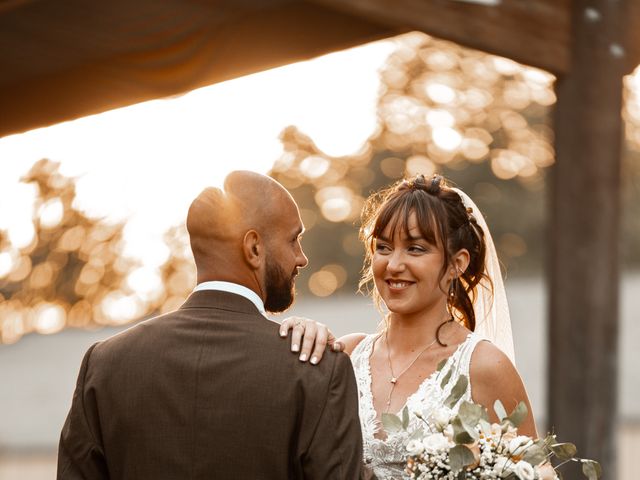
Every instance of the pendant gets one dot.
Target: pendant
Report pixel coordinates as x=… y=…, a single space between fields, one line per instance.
x=393 y=380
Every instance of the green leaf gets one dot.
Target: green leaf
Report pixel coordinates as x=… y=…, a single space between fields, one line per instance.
x=446 y=378
x=470 y=414
x=486 y=427
x=441 y=364
x=460 y=457
x=458 y=390
x=519 y=414
x=500 y=410
x=535 y=454
x=417 y=435
x=405 y=418
x=591 y=469
x=564 y=451
x=461 y=433
x=391 y=422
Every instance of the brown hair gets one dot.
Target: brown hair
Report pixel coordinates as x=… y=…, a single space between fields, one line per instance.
x=443 y=221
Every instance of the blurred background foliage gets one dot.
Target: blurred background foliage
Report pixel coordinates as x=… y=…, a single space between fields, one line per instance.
x=483 y=121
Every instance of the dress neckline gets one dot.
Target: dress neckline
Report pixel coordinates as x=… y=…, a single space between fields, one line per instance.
x=422 y=385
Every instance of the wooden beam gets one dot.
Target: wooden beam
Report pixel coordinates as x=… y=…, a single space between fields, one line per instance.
x=246 y=43
x=584 y=235
x=531 y=32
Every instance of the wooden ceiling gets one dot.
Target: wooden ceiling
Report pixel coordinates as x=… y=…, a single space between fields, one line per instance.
x=63 y=59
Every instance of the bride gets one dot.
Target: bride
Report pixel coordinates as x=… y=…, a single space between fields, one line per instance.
x=434 y=271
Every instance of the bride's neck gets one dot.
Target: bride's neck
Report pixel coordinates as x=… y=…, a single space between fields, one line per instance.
x=410 y=333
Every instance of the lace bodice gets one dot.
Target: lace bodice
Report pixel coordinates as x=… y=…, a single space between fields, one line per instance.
x=385 y=457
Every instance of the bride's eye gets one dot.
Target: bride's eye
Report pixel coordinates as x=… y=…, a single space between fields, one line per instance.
x=382 y=247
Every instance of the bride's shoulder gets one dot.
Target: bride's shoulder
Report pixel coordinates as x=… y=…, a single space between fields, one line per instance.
x=351 y=341
x=489 y=363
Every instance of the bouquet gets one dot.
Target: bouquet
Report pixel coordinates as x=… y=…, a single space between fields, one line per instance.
x=465 y=445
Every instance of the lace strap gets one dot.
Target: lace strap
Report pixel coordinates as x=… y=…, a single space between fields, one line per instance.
x=459 y=364
x=363 y=347
x=466 y=352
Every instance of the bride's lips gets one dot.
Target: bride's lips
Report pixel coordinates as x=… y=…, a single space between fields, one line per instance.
x=397 y=285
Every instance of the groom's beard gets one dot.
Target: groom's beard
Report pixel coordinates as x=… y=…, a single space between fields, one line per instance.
x=280 y=288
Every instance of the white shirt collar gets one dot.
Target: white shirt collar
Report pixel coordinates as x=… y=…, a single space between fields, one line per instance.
x=233 y=288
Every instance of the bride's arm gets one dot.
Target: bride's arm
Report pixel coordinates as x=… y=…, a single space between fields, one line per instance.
x=493 y=377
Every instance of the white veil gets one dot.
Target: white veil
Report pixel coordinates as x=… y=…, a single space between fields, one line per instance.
x=492 y=311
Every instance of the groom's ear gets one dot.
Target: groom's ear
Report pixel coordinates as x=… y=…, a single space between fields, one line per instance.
x=253 y=249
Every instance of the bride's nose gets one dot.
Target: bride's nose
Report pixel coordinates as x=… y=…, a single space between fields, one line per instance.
x=395 y=262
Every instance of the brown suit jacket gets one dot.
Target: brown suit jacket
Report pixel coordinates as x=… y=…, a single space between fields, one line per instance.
x=210 y=391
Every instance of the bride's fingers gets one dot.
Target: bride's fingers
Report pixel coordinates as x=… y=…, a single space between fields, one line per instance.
x=322 y=337
x=336 y=345
x=309 y=338
x=296 y=336
x=287 y=324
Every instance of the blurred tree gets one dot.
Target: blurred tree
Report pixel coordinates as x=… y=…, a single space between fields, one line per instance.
x=480 y=120
x=68 y=269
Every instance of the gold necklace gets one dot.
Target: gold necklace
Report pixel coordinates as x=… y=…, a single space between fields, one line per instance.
x=394 y=378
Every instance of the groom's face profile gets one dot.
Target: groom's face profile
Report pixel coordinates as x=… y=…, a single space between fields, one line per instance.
x=283 y=260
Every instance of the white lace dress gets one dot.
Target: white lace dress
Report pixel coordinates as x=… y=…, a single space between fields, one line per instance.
x=385 y=457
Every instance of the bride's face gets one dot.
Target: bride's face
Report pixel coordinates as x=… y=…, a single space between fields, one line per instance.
x=407 y=269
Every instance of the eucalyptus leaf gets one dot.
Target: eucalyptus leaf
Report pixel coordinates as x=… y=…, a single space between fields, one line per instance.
x=460 y=457
x=461 y=433
x=535 y=454
x=417 y=435
x=564 y=451
x=405 y=418
x=470 y=414
x=457 y=391
x=519 y=414
x=391 y=422
x=591 y=469
x=485 y=426
x=441 y=365
x=446 y=378
x=500 y=410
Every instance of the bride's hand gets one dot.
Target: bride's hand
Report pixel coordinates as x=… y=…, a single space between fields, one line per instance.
x=308 y=335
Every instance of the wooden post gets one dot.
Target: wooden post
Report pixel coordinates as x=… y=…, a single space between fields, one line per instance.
x=584 y=234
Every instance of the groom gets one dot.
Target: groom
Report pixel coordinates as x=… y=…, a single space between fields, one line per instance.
x=208 y=391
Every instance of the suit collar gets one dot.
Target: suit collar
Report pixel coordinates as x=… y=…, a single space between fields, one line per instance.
x=233 y=288
x=220 y=300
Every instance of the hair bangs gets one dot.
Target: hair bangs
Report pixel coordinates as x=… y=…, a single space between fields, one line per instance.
x=395 y=215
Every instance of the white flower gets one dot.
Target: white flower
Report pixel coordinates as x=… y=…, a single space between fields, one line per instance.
x=524 y=470
x=434 y=443
x=520 y=443
x=503 y=466
x=441 y=417
x=448 y=432
x=415 y=447
x=545 y=472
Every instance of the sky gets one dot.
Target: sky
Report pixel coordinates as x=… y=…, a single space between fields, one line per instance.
x=146 y=162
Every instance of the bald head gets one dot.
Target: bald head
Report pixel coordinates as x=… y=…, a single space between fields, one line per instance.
x=260 y=198
x=219 y=221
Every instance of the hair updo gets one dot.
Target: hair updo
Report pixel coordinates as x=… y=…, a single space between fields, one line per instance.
x=443 y=220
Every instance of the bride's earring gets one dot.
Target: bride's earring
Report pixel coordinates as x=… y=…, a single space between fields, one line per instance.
x=451 y=298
